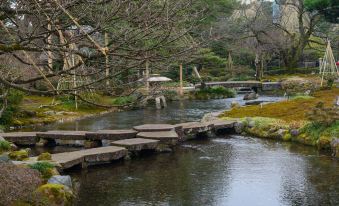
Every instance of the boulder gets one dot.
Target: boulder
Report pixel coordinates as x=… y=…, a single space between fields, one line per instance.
x=235 y=104
x=239 y=127
x=55 y=194
x=4 y=158
x=335 y=147
x=251 y=96
x=1 y=138
x=294 y=132
x=65 y=180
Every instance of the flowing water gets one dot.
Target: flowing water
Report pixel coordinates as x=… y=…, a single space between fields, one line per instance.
x=228 y=170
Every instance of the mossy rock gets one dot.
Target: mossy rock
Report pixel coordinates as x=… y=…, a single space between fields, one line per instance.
x=287 y=137
x=20 y=155
x=55 y=194
x=324 y=142
x=44 y=156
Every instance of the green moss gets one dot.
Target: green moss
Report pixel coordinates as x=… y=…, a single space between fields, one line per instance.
x=44 y=156
x=293 y=110
x=55 y=194
x=287 y=137
x=46 y=169
x=20 y=155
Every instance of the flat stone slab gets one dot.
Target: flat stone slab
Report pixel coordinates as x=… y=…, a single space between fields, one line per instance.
x=154 y=127
x=162 y=135
x=63 y=135
x=196 y=127
x=111 y=134
x=89 y=156
x=222 y=124
x=137 y=144
x=21 y=138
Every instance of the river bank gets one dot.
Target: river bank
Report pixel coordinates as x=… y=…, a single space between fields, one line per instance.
x=303 y=120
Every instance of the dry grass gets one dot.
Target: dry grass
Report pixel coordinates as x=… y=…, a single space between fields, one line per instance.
x=293 y=110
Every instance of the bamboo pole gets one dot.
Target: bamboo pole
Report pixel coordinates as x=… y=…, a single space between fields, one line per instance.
x=147 y=76
x=181 y=91
x=106 y=59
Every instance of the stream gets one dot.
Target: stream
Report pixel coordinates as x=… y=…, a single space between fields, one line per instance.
x=228 y=170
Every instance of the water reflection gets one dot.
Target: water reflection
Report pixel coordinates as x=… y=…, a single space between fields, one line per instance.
x=224 y=171
x=176 y=112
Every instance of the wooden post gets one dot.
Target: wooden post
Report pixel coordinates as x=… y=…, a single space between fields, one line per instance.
x=107 y=60
x=147 y=76
x=49 y=53
x=181 y=91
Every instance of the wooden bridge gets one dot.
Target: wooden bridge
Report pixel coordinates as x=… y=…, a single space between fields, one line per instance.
x=265 y=86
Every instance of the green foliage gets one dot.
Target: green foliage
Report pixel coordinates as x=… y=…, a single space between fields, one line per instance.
x=171 y=95
x=4 y=146
x=328 y=8
x=123 y=100
x=45 y=168
x=214 y=93
x=14 y=99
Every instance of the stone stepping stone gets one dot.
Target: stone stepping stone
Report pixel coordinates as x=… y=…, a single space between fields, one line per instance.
x=21 y=138
x=89 y=156
x=154 y=127
x=170 y=137
x=111 y=134
x=196 y=127
x=222 y=124
x=63 y=135
x=137 y=144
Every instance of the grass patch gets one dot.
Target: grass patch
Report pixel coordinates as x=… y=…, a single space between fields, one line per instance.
x=46 y=169
x=292 y=110
x=120 y=101
x=4 y=146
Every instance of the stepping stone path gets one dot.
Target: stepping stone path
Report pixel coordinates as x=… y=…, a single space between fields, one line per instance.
x=137 y=144
x=111 y=134
x=63 y=135
x=167 y=137
x=222 y=124
x=21 y=138
x=154 y=127
x=89 y=156
x=195 y=127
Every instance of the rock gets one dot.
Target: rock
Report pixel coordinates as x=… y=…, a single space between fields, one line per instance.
x=251 y=96
x=281 y=133
x=251 y=124
x=235 y=104
x=42 y=142
x=294 y=132
x=4 y=158
x=62 y=180
x=239 y=127
x=49 y=113
x=1 y=138
x=28 y=113
x=13 y=147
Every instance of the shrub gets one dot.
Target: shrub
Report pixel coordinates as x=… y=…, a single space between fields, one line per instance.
x=18 y=155
x=46 y=169
x=171 y=95
x=44 y=156
x=17 y=184
x=4 y=146
x=214 y=92
x=323 y=115
x=55 y=194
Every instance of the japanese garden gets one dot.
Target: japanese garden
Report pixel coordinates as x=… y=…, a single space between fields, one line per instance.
x=169 y=102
